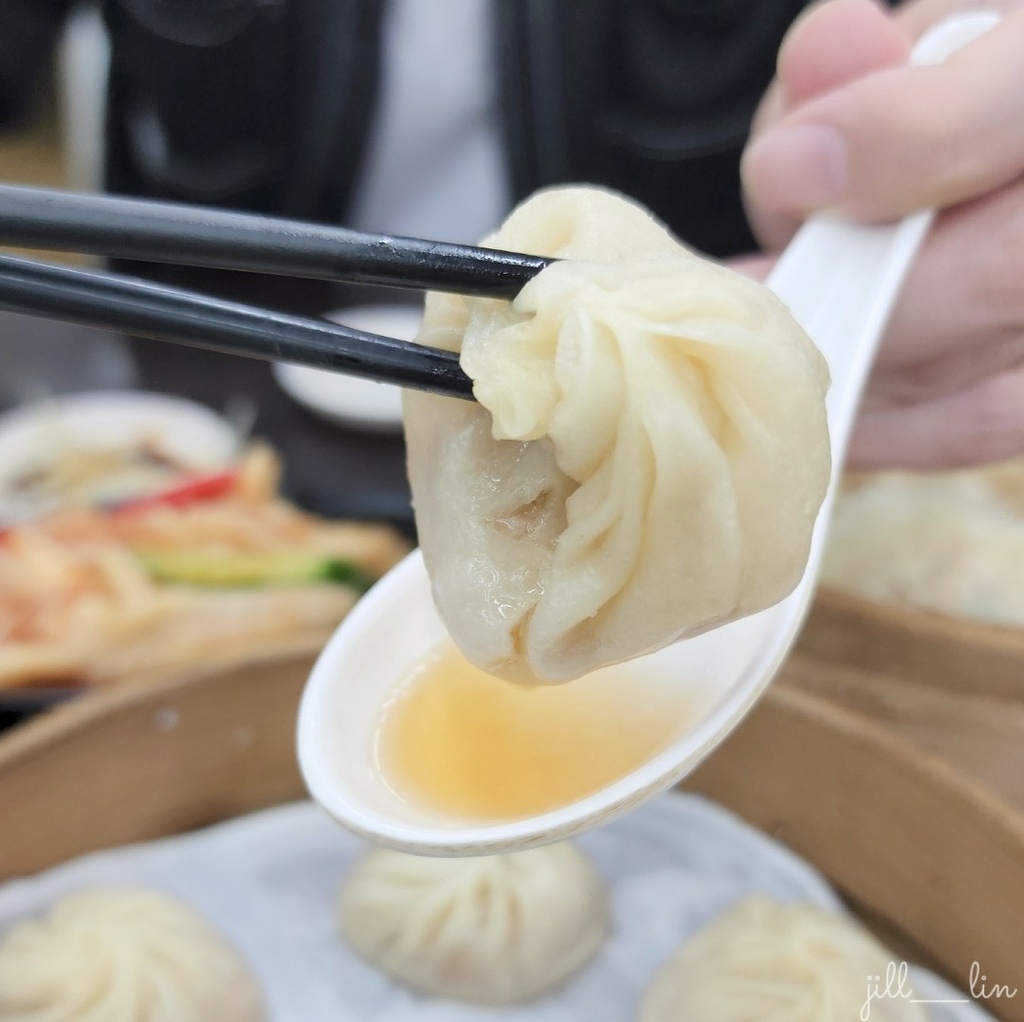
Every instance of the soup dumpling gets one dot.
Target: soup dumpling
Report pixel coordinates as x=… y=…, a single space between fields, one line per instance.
x=766 y=959
x=497 y=929
x=647 y=457
x=123 y=956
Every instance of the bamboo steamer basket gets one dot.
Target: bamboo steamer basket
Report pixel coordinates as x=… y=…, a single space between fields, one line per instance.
x=889 y=753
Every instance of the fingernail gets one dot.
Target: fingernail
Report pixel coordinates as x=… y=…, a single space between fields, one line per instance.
x=797 y=169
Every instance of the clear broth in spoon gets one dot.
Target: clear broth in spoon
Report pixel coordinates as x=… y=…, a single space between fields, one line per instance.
x=455 y=741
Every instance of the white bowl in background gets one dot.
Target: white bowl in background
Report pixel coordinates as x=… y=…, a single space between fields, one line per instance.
x=188 y=433
x=347 y=400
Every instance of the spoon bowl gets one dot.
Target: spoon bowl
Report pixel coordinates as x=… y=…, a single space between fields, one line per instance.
x=840 y=282
x=395 y=626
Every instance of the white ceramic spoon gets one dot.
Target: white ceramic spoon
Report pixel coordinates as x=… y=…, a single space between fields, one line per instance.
x=840 y=282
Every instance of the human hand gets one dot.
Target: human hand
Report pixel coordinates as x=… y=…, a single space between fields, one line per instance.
x=848 y=127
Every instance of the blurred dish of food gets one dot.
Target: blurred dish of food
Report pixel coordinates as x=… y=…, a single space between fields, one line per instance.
x=146 y=564
x=102 y=448
x=346 y=400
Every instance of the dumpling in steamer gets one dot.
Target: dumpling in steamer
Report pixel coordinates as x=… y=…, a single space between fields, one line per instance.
x=494 y=930
x=764 y=959
x=123 y=956
x=647 y=457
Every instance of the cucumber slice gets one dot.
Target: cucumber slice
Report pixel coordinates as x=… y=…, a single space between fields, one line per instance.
x=240 y=570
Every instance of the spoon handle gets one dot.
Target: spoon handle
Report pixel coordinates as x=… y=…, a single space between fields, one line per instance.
x=840 y=280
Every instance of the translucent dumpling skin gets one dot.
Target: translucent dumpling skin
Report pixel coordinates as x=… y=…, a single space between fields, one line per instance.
x=646 y=459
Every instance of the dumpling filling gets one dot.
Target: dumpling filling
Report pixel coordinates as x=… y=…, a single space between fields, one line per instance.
x=646 y=459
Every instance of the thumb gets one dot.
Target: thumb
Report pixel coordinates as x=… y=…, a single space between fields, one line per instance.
x=829 y=46
x=901 y=139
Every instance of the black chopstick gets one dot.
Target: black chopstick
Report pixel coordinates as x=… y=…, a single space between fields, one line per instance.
x=200 y=236
x=171 y=314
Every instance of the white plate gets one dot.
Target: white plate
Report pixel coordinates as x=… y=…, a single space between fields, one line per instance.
x=346 y=400
x=269 y=882
x=188 y=432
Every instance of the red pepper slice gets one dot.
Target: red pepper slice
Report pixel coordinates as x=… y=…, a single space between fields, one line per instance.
x=208 y=487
